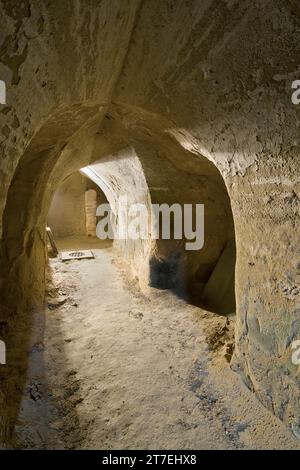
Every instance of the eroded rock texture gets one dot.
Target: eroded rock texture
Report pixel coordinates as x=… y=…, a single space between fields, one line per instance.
x=197 y=96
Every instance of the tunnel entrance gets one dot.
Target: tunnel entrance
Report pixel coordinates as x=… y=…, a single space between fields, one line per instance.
x=72 y=219
x=204 y=277
x=72 y=212
x=148 y=173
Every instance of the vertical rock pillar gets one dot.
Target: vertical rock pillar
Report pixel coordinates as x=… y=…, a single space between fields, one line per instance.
x=90 y=212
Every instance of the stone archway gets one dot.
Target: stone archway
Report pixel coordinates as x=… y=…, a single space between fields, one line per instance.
x=129 y=169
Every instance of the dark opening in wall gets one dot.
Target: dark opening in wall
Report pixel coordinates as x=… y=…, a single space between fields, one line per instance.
x=204 y=277
x=73 y=208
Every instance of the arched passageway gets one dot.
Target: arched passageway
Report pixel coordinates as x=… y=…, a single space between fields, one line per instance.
x=203 y=275
x=73 y=208
x=90 y=304
x=127 y=168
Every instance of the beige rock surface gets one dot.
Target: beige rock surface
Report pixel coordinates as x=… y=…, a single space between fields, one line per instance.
x=192 y=81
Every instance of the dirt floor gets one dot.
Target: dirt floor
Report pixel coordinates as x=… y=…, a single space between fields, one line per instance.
x=112 y=369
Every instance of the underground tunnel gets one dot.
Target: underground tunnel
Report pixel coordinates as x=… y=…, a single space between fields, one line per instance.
x=133 y=337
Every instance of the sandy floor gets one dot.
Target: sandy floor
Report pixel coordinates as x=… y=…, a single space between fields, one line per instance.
x=112 y=369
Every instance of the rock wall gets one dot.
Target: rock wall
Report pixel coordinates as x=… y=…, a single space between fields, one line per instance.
x=122 y=179
x=213 y=78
